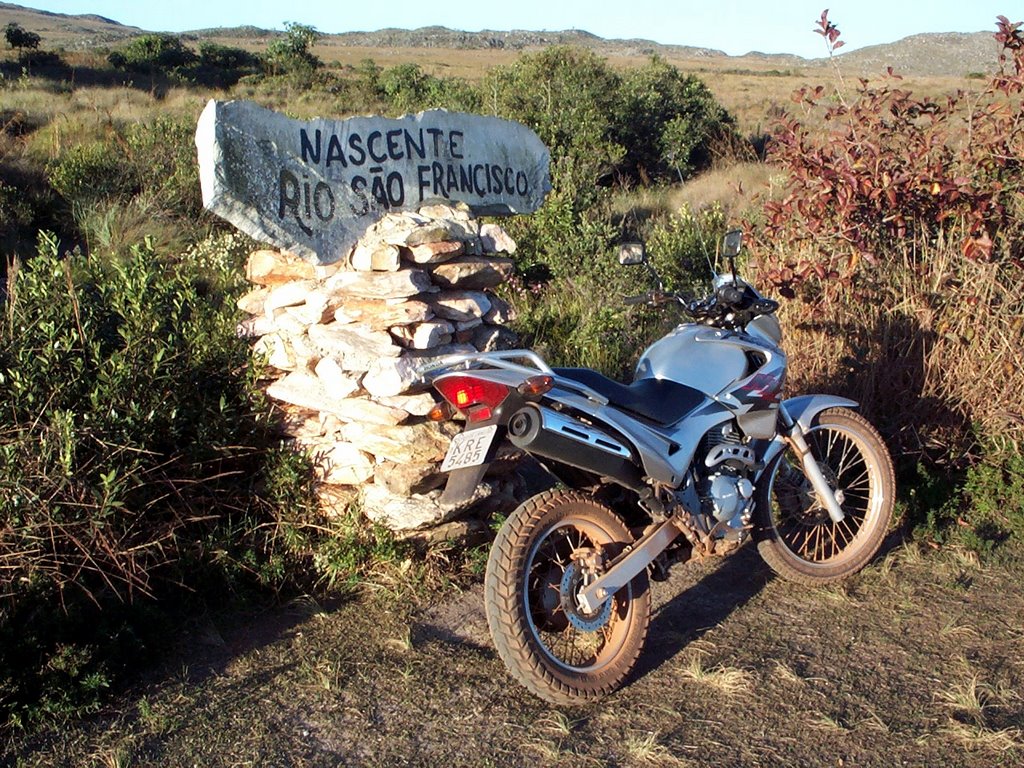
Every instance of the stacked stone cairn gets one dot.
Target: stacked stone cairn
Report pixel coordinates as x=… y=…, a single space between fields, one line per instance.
x=343 y=343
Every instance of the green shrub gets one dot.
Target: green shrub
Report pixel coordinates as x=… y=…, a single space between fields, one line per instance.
x=133 y=450
x=683 y=247
x=162 y=156
x=88 y=173
x=153 y=53
x=226 y=58
x=407 y=88
x=994 y=495
x=667 y=122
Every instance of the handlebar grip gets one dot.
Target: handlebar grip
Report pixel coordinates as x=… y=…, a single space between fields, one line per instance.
x=637 y=299
x=730 y=295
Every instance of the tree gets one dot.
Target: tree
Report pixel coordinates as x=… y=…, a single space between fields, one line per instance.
x=291 y=53
x=21 y=38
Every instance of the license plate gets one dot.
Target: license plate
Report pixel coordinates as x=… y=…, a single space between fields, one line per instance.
x=469 y=449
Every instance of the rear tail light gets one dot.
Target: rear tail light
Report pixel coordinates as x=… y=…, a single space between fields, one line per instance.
x=477 y=398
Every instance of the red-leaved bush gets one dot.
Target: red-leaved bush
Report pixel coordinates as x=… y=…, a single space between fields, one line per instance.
x=890 y=170
x=899 y=240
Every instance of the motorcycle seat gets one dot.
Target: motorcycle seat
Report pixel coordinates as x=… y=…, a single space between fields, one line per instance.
x=659 y=400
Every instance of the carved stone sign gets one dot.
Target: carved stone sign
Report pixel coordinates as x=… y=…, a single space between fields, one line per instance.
x=313 y=187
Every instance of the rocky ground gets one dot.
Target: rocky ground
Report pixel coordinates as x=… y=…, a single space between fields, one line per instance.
x=915 y=662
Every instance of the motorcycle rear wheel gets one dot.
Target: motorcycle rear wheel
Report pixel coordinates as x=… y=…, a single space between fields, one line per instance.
x=552 y=648
x=796 y=536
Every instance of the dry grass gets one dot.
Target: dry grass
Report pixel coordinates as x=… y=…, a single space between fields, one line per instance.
x=912 y=360
x=644 y=749
x=967 y=699
x=825 y=722
x=786 y=673
x=978 y=738
x=730 y=681
x=739 y=188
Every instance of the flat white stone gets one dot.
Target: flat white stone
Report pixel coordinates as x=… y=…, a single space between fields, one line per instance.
x=494 y=239
x=288 y=295
x=418 y=443
x=460 y=306
x=354 y=346
x=252 y=302
x=305 y=390
x=472 y=272
x=275 y=351
x=415 y=405
x=379 y=315
x=253 y=327
x=380 y=285
x=342 y=464
x=335 y=380
x=432 y=333
x=375 y=257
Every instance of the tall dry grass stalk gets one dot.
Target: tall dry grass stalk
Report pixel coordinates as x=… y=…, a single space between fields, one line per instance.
x=929 y=343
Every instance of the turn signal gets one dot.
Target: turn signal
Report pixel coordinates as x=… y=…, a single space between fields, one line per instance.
x=440 y=412
x=535 y=386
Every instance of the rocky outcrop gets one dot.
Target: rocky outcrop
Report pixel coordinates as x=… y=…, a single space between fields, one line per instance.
x=343 y=343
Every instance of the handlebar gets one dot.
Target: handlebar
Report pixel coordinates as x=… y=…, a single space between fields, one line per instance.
x=727 y=300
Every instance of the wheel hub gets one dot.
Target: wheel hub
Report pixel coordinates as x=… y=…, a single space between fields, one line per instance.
x=573 y=580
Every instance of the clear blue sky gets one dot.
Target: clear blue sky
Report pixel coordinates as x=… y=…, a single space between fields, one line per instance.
x=734 y=26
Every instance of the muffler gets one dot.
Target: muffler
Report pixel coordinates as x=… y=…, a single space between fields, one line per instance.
x=545 y=433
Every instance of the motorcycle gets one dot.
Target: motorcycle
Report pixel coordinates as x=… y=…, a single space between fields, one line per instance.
x=697 y=456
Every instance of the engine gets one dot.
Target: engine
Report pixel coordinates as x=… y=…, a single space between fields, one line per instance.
x=724 y=486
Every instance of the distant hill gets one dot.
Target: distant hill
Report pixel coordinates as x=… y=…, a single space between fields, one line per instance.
x=937 y=53
x=941 y=54
x=62 y=30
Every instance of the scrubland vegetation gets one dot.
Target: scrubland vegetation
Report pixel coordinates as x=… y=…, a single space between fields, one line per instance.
x=140 y=475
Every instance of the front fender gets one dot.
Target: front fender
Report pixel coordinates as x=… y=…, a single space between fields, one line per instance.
x=803 y=409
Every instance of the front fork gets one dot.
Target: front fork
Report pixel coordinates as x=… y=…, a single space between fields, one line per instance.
x=660 y=536
x=793 y=435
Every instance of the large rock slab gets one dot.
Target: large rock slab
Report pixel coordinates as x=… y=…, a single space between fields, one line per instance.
x=396 y=376
x=355 y=347
x=415 y=444
x=306 y=390
x=381 y=314
x=461 y=306
x=342 y=464
x=473 y=272
x=381 y=285
x=313 y=187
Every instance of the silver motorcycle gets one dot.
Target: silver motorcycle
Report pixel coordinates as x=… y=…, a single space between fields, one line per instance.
x=697 y=456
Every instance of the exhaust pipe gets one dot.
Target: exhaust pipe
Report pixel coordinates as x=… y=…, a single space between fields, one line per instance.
x=545 y=433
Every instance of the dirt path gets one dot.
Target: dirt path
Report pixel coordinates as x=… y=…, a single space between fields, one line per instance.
x=915 y=662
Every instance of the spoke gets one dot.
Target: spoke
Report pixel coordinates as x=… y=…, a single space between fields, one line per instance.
x=862 y=480
x=848 y=445
x=849 y=532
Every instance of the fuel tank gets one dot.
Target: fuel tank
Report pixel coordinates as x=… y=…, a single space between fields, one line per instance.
x=696 y=355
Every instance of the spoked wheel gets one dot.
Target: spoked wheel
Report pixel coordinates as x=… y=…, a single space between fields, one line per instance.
x=537 y=566
x=797 y=538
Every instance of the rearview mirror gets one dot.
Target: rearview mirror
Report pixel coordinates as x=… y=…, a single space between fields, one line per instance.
x=632 y=253
x=732 y=243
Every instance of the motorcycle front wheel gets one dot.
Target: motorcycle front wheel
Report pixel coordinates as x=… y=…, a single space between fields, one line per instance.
x=549 y=643
x=796 y=536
